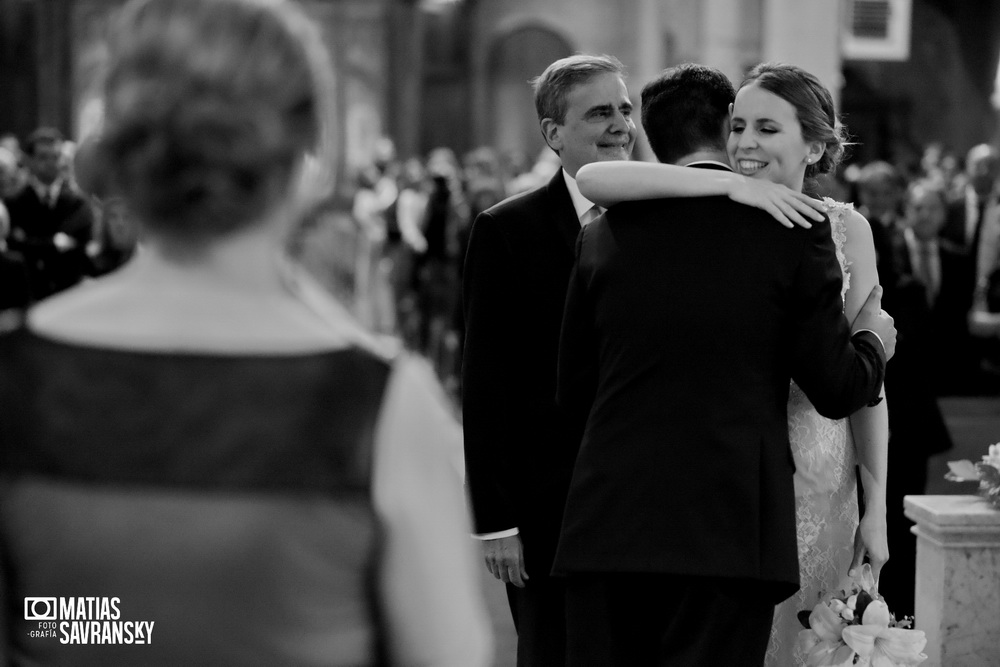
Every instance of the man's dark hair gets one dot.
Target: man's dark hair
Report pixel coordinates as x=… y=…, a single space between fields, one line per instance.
x=43 y=135
x=685 y=110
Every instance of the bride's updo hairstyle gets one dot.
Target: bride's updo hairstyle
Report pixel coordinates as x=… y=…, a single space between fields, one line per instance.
x=210 y=107
x=813 y=107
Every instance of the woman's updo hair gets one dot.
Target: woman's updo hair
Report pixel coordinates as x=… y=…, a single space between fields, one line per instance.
x=209 y=107
x=813 y=107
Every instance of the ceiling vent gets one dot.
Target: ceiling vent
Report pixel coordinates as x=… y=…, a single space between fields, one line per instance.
x=877 y=29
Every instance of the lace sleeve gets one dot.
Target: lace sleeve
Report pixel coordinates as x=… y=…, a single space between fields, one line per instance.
x=837 y=211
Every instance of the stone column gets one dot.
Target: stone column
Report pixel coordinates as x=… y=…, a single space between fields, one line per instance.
x=54 y=64
x=805 y=33
x=650 y=61
x=723 y=31
x=958 y=579
x=406 y=76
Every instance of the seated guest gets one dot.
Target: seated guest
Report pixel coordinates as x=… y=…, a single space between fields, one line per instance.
x=204 y=434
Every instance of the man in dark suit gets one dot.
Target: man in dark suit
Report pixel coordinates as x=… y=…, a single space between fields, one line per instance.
x=960 y=240
x=685 y=321
x=518 y=449
x=50 y=220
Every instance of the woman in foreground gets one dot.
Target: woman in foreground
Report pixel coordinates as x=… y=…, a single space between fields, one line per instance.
x=784 y=130
x=203 y=441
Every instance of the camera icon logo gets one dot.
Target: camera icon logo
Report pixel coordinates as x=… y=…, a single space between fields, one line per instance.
x=41 y=609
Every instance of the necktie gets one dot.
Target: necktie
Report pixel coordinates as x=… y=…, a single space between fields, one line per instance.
x=927 y=271
x=591 y=214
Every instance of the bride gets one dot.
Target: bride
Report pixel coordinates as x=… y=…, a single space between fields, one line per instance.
x=784 y=130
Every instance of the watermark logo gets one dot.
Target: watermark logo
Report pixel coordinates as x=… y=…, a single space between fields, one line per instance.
x=41 y=609
x=85 y=620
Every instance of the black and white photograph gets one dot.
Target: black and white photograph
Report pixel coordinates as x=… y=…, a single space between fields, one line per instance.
x=500 y=333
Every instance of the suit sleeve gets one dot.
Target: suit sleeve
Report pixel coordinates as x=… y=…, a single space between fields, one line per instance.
x=839 y=373
x=488 y=384
x=576 y=383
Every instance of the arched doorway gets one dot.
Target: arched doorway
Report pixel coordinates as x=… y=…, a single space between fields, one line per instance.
x=515 y=58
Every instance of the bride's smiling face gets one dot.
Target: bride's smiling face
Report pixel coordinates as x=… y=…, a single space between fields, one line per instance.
x=766 y=138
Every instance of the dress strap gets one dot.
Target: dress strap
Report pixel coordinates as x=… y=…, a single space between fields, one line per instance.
x=837 y=212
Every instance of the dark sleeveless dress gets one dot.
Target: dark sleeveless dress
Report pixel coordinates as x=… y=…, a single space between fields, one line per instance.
x=224 y=498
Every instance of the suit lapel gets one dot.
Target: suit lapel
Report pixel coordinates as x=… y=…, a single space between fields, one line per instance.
x=563 y=215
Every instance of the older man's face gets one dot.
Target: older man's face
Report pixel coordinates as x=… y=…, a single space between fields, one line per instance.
x=598 y=124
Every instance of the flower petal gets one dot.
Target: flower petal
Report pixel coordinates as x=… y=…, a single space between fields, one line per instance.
x=962 y=471
x=830 y=654
x=867 y=579
x=876 y=613
x=900 y=647
x=825 y=623
x=807 y=641
x=862 y=638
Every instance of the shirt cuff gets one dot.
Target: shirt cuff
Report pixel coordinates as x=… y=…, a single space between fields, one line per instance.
x=497 y=535
x=876 y=336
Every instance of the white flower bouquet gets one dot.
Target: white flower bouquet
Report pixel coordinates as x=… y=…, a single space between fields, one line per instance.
x=854 y=627
x=986 y=472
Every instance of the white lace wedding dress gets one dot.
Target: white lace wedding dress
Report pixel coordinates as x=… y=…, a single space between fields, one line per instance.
x=826 y=503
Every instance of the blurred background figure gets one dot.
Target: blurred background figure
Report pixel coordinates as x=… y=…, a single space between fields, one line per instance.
x=13 y=176
x=116 y=239
x=51 y=221
x=881 y=189
x=115 y=235
x=544 y=168
x=445 y=225
x=960 y=240
x=917 y=429
x=373 y=206
x=14 y=292
x=206 y=435
x=411 y=210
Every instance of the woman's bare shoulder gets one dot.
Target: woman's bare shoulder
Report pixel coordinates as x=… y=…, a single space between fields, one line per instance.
x=858 y=230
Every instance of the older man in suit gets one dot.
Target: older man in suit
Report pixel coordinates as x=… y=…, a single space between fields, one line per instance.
x=685 y=321
x=519 y=450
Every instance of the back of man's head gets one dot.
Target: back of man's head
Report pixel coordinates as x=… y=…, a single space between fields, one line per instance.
x=685 y=110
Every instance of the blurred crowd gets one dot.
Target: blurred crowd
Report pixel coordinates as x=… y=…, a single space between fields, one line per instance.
x=414 y=217
x=936 y=227
x=53 y=234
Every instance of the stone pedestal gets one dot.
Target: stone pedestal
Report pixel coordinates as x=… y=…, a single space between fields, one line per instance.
x=958 y=579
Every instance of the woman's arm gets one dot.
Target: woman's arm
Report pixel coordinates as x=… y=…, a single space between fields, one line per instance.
x=870 y=425
x=429 y=575
x=608 y=183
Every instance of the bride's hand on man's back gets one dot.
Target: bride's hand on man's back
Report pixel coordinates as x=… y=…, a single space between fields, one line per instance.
x=788 y=207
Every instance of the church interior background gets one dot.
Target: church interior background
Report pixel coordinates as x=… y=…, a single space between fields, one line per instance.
x=453 y=73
